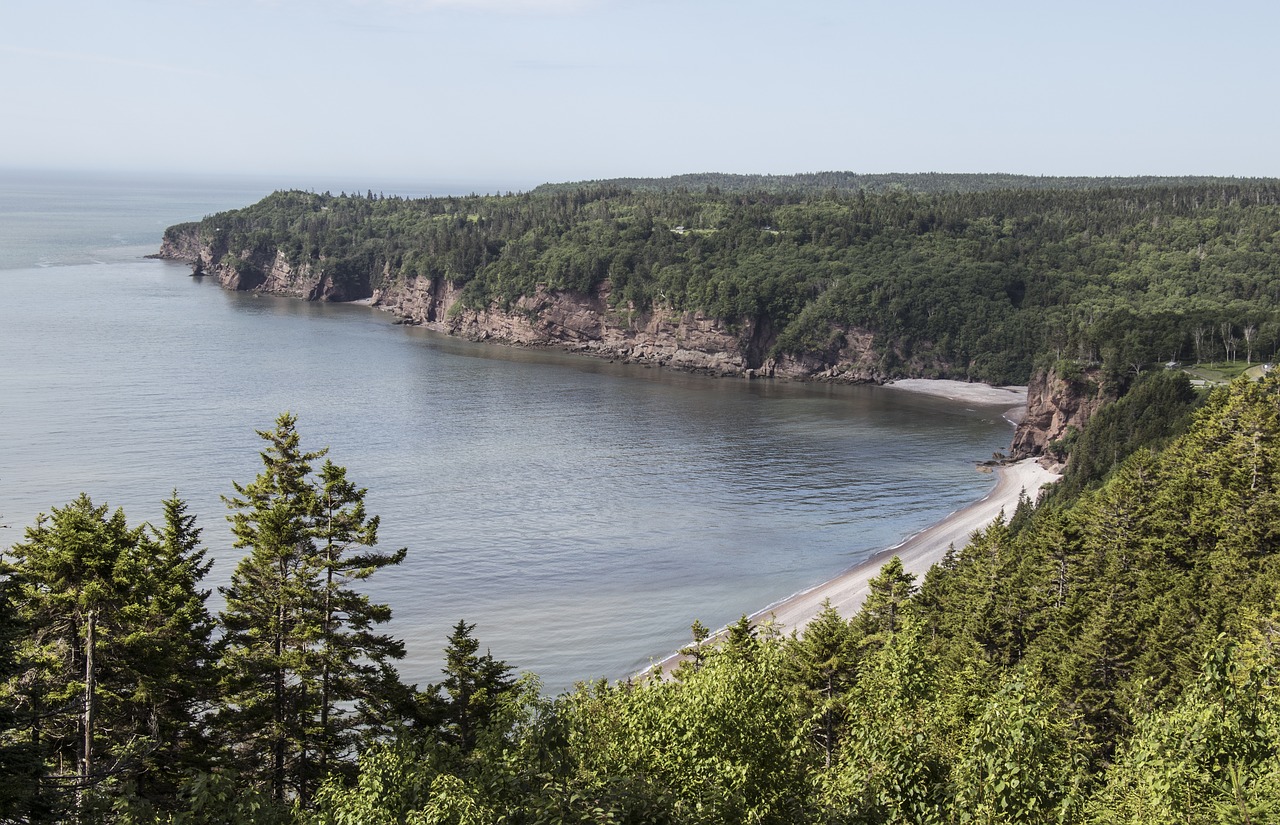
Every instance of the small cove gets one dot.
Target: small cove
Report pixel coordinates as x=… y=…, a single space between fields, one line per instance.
x=581 y=513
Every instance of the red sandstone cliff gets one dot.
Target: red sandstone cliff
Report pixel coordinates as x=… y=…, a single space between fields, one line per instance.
x=1056 y=405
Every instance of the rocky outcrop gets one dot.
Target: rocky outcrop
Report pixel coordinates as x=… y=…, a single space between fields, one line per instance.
x=1057 y=405
x=588 y=323
x=181 y=243
x=687 y=340
x=267 y=272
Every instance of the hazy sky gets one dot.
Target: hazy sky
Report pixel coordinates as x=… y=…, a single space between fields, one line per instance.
x=516 y=92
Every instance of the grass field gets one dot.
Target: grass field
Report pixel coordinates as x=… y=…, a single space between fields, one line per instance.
x=1223 y=372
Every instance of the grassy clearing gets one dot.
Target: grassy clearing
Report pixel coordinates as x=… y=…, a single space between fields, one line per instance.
x=1223 y=372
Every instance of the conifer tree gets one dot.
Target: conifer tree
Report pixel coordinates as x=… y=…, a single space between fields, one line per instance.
x=271 y=621
x=472 y=686
x=359 y=688
x=299 y=646
x=168 y=630
x=108 y=652
x=19 y=766
x=824 y=660
x=890 y=591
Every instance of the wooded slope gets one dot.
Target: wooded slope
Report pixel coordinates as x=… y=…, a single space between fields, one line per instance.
x=979 y=285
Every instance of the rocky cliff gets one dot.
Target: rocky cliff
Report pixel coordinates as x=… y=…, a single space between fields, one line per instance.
x=589 y=323
x=1057 y=405
x=258 y=271
x=593 y=324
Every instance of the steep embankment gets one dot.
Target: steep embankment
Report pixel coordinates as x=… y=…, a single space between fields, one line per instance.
x=267 y=271
x=593 y=324
x=588 y=323
x=1058 y=406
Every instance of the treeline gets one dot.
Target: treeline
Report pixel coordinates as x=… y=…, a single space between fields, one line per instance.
x=126 y=701
x=1107 y=658
x=980 y=285
x=921 y=183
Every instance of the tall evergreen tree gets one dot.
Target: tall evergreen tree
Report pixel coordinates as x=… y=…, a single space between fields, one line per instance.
x=107 y=655
x=887 y=600
x=298 y=644
x=359 y=688
x=271 y=620
x=824 y=662
x=19 y=766
x=168 y=630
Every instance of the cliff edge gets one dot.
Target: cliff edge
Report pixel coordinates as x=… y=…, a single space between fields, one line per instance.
x=1058 y=405
x=589 y=323
x=596 y=325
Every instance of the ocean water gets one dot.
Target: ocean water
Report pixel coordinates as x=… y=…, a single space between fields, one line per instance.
x=581 y=513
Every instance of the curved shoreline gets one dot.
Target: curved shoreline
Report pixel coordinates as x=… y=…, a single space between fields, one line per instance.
x=918 y=553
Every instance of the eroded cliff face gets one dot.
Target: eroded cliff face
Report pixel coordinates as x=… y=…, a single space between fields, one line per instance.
x=267 y=272
x=1055 y=406
x=586 y=323
x=592 y=324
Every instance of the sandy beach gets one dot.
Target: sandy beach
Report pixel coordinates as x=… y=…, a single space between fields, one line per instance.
x=926 y=548
x=1012 y=398
x=963 y=391
x=918 y=553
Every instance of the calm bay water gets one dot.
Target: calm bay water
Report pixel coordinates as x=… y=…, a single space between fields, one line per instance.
x=581 y=513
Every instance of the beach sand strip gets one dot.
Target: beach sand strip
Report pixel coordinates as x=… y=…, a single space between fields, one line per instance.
x=918 y=553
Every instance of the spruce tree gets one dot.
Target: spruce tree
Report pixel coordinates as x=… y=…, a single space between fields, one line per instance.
x=887 y=600
x=19 y=765
x=271 y=622
x=472 y=686
x=105 y=656
x=168 y=639
x=824 y=662
x=359 y=689
x=303 y=674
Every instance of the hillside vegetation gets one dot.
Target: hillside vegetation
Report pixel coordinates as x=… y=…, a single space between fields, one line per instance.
x=1108 y=658
x=984 y=283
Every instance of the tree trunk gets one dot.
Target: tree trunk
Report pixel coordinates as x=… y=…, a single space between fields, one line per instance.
x=277 y=746
x=87 y=720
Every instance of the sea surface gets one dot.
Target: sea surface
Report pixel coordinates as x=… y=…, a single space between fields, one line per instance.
x=581 y=513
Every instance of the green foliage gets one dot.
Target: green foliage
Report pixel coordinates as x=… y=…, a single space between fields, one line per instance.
x=1109 y=659
x=19 y=762
x=887 y=601
x=823 y=663
x=1209 y=758
x=974 y=277
x=1018 y=766
x=723 y=743
x=304 y=675
x=473 y=688
x=107 y=678
x=894 y=762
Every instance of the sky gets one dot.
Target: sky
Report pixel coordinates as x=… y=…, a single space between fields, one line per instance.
x=506 y=94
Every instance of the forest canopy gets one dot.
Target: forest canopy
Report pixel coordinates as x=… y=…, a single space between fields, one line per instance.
x=972 y=277
x=1109 y=658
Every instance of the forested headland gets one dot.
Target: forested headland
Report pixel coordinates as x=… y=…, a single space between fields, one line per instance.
x=863 y=277
x=1107 y=656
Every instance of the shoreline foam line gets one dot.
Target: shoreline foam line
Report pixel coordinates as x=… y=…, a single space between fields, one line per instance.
x=918 y=553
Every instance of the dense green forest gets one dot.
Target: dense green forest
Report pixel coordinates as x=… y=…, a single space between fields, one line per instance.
x=922 y=183
x=971 y=277
x=1108 y=656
